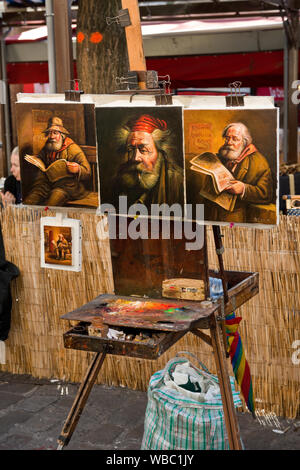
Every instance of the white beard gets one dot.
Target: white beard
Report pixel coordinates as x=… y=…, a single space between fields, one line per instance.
x=226 y=151
x=54 y=146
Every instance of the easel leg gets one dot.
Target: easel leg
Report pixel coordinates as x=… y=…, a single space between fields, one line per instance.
x=80 y=401
x=226 y=393
x=220 y=251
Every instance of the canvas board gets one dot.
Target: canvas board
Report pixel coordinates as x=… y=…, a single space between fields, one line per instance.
x=258 y=113
x=231 y=161
x=57 y=146
x=140 y=151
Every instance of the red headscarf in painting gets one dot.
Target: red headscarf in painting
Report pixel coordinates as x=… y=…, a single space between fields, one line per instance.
x=147 y=123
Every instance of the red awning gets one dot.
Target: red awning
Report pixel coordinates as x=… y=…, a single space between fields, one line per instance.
x=254 y=69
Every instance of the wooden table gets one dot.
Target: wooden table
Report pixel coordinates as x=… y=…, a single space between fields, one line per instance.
x=169 y=329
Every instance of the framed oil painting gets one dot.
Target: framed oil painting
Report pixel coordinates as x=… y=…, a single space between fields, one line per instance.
x=57 y=145
x=61 y=243
x=231 y=161
x=141 y=161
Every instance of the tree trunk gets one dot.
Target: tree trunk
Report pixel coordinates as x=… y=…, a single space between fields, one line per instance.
x=101 y=49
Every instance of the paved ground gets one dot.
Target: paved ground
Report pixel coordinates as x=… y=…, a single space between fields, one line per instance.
x=32 y=413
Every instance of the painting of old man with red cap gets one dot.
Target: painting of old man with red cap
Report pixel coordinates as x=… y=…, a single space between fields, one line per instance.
x=141 y=155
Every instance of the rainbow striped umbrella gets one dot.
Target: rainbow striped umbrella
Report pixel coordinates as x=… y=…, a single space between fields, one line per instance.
x=238 y=360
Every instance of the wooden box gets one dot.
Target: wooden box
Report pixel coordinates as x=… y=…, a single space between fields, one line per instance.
x=184 y=289
x=78 y=338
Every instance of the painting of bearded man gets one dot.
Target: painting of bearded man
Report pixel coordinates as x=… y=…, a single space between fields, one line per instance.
x=148 y=159
x=236 y=183
x=66 y=182
x=57 y=143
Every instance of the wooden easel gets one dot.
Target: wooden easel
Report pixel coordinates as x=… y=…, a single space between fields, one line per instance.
x=245 y=285
x=214 y=319
x=137 y=62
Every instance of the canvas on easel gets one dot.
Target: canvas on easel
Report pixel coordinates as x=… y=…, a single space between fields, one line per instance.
x=140 y=152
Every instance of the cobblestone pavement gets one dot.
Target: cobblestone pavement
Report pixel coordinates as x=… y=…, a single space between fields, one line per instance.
x=33 y=411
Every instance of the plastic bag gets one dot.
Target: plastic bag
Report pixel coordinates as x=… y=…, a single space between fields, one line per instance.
x=177 y=418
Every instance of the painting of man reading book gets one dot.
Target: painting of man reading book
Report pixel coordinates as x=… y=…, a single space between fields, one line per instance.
x=236 y=182
x=56 y=169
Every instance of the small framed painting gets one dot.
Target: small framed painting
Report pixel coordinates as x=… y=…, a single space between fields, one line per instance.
x=61 y=243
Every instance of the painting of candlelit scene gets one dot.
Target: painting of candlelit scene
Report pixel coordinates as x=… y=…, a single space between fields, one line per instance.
x=58 y=245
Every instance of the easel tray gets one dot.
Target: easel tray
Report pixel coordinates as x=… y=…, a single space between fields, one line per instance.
x=149 y=348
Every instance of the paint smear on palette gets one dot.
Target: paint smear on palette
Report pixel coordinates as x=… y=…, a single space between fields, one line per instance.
x=122 y=306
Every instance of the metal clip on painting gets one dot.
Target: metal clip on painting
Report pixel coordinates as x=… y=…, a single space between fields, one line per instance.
x=131 y=81
x=73 y=94
x=123 y=18
x=165 y=96
x=236 y=98
x=132 y=84
x=154 y=86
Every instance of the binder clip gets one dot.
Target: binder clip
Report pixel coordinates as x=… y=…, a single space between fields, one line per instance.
x=236 y=98
x=134 y=77
x=73 y=94
x=123 y=18
x=130 y=81
x=146 y=82
x=165 y=96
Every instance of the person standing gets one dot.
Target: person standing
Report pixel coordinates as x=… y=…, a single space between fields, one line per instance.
x=12 y=186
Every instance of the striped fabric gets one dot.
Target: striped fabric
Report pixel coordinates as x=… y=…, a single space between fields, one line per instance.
x=174 y=421
x=238 y=360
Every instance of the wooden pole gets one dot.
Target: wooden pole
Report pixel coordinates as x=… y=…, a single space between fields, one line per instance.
x=290 y=76
x=63 y=45
x=225 y=387
x=3 y=158
x=5 y=108
x=80 y=400
x=219 y=250
x=134 y=40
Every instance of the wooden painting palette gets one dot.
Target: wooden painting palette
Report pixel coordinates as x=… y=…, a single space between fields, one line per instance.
x=141 y=312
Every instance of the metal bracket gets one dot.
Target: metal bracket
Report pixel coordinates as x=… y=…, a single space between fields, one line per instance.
x=235 y=99
x=220 y=250
x=163 y=99
x=152 y=79
x=123 y=18
x=289 y=29
x=222 y=316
